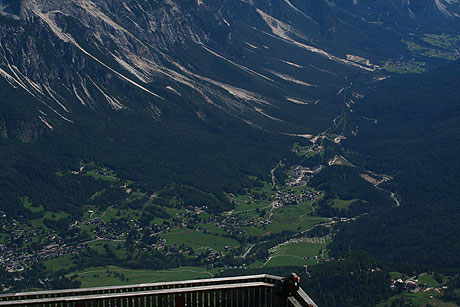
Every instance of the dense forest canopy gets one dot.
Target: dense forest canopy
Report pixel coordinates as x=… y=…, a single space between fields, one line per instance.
x=417 y=141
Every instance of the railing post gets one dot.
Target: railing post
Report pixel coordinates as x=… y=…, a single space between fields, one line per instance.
x=241 y=298
x=161 y=300
x=149 y=300
x=252 y=297
x=270 y=297
x=234 y=298
x=220 y=298
x=196 y=298
x=223 y=298
x=263 y=297
x=206 y=299
x=180 y=301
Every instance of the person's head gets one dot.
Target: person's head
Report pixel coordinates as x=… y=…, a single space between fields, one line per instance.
x=294 y=277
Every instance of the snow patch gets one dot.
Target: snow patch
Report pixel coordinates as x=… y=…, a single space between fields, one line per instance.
x=323 y=70
x=116 y=72
x=68 y=38
x=170 y=88
x=85 y=90
x=92 y=9
x=292 y=64
x=8 y=78
x=299 y=11
x=18 y=80
x=45 y=122
x=297 y=101
x=442 y=7
x=306 y=136
x=251 y=45
x=78 y=96
x=278 y=27
x=239 y=93
x=50 y=92
x=292 y=79
x=250 y=71
x=259 y=110
x=127 y=7
x=281 y=30
x=234 y=91
x=37 y=87
x=129 y=68
x=114 y=103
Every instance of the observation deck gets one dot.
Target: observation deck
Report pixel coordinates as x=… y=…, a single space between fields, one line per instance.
x=241 y=291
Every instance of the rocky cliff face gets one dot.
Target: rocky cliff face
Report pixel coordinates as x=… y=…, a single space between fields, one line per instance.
x=259 y=61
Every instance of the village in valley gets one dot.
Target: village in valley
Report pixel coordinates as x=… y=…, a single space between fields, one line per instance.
x=224 y=239
x=271 y=225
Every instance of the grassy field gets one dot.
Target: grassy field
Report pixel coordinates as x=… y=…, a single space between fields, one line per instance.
x=419 y=299
x=243 y=206
x=428 y=280
x=39 y=223
x=396 y=275
x=342 y=204
x=288 y=260
x=3 y=237
x=212 y=229
x=28 y=205
x=293 y=218
x=117 y=214
x=115 y=276
x=406 y=68
x=440 y=54
x=102 y=173
x=296 y=254
x=116 y=246
x=444 y=41
x=196 y=239
x=258 y=232
x=56 y=264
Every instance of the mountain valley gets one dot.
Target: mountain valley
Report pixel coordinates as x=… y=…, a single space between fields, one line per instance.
x=211 y=137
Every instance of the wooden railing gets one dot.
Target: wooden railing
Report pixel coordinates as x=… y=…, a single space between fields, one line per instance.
x=243 y=291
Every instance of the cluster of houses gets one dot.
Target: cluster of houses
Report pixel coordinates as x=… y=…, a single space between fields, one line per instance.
x=234 y=224
x=172 y=250
x=413 y=285
x=197 y=209
x=16 y=260
x=213 y=256
x=289 y=198
x=308 y=150
x=302 y=175
x=101 y=229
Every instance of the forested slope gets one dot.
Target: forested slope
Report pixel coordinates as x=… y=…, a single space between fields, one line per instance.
x=417 y=141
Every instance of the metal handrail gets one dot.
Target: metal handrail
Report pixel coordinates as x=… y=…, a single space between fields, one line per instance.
x=141 y=287
x=134 y=294
x=254 y=288
x=302 y=299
